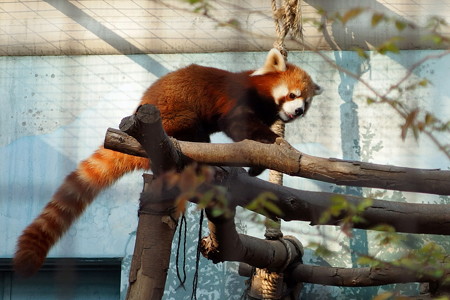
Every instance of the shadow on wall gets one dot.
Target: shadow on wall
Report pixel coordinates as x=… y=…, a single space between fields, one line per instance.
x=359 y=32
x=109 y=36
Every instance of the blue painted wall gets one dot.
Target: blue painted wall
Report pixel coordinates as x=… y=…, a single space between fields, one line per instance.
x=55 y=111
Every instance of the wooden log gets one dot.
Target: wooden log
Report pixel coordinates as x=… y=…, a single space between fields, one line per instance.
x=282 y=157
x=157 y=216
x=225 y=244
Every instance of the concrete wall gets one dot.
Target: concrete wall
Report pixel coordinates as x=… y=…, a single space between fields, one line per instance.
x=55 y=111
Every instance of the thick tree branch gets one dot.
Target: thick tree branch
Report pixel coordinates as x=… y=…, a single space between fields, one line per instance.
x=309 y=206
x=351 y=277
x=284 y=158
x=157 y=216
x=146 y=127
x=225 y=244
x=151 y=257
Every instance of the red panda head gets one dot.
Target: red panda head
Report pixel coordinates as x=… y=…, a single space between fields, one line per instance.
x=291 y=88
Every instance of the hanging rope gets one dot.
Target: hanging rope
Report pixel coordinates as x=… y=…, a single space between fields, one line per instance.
x=287 y=19
x=271 y=284
x=275 y=176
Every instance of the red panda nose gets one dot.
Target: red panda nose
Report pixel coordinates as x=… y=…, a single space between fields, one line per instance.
x=299 y=111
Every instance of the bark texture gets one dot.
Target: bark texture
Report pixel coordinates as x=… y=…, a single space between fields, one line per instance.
x=282 y=157
x=157 y=220
x=157 y=216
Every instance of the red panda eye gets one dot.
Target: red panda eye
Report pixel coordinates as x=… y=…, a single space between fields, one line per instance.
x=292 y=96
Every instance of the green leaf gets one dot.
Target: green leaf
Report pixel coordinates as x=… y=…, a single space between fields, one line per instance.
x=423 y=82
x=351 y=14
x=429 y=119
x=264 y=204
x=388 y=47
x=376 y=18
x=384 y=296
x=321 y=250
x=431 y=247
x=358 y=219
x=253 y=205
x=339 y=204
x=437 y=273
x=234 y=23
x=371 y=100
x=400 y=25
x=384 y=227
x=367 y=260
x=321 y=11
x=216 y=212
x=435 y=38
x=325 y=217
x=361 y=53
x=273 y=208
x=364 y=204
x=207 y=197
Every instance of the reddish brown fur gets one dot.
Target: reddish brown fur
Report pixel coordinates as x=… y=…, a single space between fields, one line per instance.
x=194 y=102
x=68 y=203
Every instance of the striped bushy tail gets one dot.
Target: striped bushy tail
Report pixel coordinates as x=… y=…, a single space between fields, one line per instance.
x=79 y=189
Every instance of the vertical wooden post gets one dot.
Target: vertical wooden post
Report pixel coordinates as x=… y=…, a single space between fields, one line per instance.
x=157 y=215
x=151 y=258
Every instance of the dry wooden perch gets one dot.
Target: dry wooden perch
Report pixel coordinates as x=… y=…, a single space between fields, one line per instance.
x=282 y=157
x=306 y=205
x=157 y=218
x=350 y=277
x=225 y=244
x=309 y=206
x=296 y=205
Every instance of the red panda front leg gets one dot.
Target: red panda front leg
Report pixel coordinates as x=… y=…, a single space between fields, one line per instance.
x=242 y=123
x=245 y=124
x=185 y=127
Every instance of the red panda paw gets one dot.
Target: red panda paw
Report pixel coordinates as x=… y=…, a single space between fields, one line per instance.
x=282 y=142
x=255 y=171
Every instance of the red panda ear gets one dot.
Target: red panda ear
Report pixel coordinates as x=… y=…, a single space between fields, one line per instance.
x=317 y=89
x=274 y=63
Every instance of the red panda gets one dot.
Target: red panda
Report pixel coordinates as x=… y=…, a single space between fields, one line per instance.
x=194 y=102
